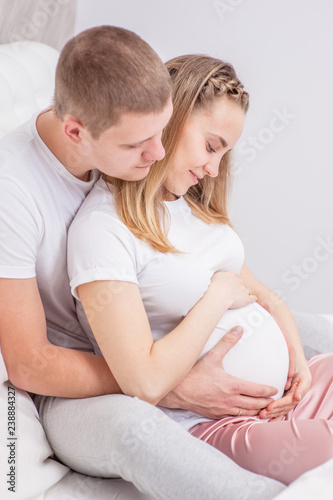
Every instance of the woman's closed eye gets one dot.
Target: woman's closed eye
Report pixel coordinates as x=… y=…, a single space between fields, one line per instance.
x=210 y=148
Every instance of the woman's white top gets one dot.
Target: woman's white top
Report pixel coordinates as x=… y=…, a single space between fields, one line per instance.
x=101 y=247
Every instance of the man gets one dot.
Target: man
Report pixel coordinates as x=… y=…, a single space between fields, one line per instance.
x=112 y=101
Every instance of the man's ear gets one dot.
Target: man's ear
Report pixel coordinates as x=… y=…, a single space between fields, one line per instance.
x=73 y=129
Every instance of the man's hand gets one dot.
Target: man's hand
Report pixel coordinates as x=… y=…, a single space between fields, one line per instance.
x=209 y=391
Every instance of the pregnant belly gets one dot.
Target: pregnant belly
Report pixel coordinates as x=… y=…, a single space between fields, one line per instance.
x=261 y=355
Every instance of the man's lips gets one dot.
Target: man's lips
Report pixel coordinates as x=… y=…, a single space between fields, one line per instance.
x=144 y=166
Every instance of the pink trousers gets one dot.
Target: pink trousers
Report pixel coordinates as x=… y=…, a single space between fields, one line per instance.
x=286 y=449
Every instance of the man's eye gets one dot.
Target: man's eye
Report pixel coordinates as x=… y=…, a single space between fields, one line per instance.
x=135 y=146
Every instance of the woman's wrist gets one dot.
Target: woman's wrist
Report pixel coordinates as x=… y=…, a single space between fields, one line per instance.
x=301 y=362
x=215 y=297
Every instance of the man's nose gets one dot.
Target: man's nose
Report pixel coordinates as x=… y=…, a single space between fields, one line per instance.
x=154 y=150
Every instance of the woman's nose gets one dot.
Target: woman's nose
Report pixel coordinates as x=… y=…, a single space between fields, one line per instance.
x=212 y=169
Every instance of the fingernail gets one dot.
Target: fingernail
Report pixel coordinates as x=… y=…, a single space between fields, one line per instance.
x=237 y=330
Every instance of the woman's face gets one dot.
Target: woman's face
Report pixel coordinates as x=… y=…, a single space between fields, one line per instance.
x=207 y=136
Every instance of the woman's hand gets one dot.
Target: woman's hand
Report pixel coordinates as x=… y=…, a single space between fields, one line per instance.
x=297 y=385
x=231 y=290
x=300 y=384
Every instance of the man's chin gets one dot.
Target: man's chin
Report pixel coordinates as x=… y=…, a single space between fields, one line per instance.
x=137 y=174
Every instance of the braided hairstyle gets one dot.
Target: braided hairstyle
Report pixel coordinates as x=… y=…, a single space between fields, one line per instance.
x=198 y=79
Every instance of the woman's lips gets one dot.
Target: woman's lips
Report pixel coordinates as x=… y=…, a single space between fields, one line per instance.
x=194 y=177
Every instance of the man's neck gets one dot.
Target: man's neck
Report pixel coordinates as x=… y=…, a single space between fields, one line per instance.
x=49 y=128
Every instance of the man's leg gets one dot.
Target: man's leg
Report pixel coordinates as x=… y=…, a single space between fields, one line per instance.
x=116 y=435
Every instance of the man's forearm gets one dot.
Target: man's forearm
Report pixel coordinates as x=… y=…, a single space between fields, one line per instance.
x=62 y=372
x=32 y=362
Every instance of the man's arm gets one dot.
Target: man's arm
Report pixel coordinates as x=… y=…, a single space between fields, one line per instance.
x=209 y=391
x=32 y=362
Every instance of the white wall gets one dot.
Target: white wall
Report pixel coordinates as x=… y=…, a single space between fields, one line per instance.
x=46 y=21
x=282 y=200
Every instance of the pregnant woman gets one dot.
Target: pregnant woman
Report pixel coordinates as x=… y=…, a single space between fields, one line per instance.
x=159 y=275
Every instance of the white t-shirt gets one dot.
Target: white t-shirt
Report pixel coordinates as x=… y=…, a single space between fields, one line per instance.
x=38 y=200
x=101 y=247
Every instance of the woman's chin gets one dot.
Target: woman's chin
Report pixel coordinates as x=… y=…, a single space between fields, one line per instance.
x=172 y=196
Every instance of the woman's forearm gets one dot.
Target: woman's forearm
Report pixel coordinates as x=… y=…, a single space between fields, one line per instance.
x=179 y=350
x=284 y=316
x=142 y=367
x=279 y=309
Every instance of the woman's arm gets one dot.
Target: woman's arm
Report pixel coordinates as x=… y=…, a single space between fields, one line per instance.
x=301 y=379
x=142 y=367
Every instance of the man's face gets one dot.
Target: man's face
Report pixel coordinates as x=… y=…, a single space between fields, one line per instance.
x=128 y=149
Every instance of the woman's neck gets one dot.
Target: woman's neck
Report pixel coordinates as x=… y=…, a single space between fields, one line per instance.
x=168 y=196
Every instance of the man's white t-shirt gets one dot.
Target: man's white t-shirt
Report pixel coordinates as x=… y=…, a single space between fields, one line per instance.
x=101 y=247
x=38 y=200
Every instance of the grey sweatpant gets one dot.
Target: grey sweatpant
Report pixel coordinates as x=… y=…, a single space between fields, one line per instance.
x=111 y=436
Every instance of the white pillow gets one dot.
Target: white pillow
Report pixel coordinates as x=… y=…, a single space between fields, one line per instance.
x=328 y=316
x=27 y=71
x=29 y=455
x=316 y=483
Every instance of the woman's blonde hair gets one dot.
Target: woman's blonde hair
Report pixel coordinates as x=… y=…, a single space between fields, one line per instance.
x=197 y=80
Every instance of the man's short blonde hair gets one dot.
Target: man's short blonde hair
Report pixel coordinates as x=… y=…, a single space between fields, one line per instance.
x=106 y=71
